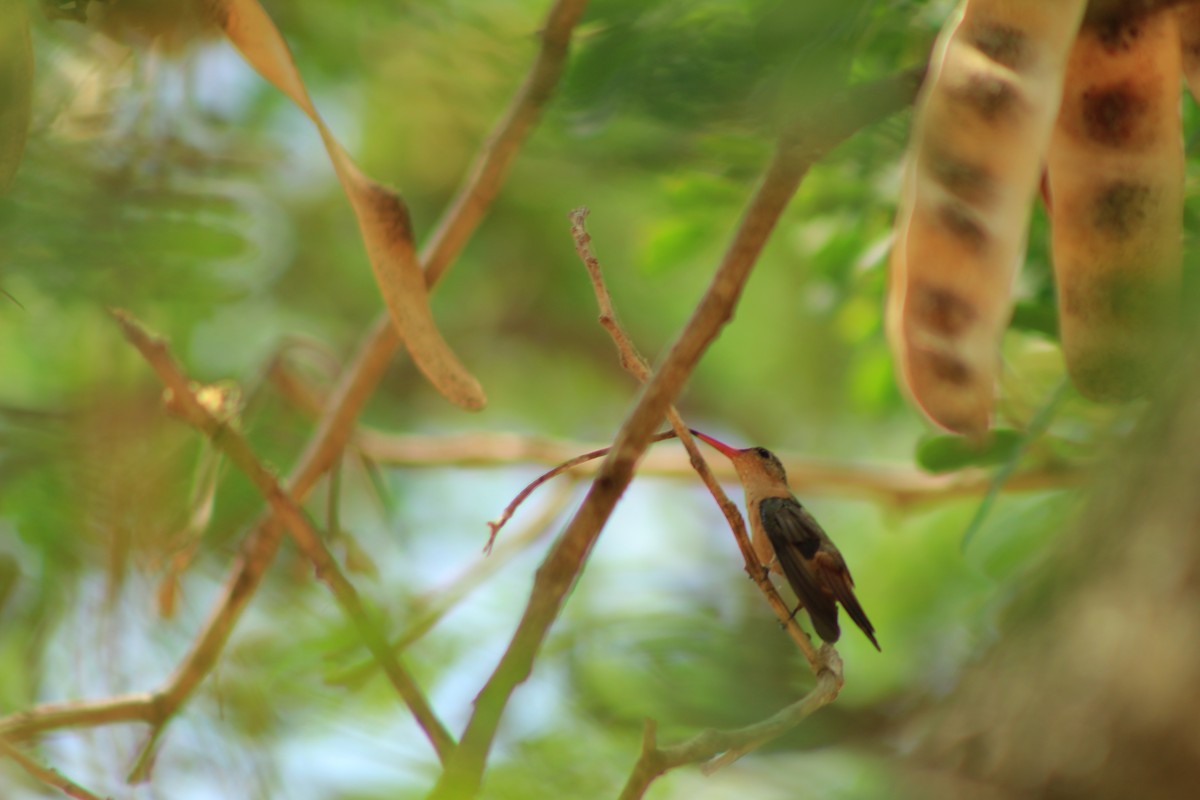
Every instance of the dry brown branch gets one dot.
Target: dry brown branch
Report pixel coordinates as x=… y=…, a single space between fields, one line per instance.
x=635 y=363
x=795 y=154
x=559 y=469
x=631 y=360
x=895 y=485
x=825 y=663
x=46 y=775
x=562 y=566
x=186 y=402
x=491 y=165
x=719 y=748
x=142 y=707
x=357 y=383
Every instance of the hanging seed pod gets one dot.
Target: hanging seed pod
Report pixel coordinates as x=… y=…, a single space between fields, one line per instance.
x=382 y=216
x=982 y=124
x=1115 y=193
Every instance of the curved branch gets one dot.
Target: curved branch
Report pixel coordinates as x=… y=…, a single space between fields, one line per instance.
x=795 y=154
x=895 y=485
x=185 y=401
x=633 y=361
x=719 y=748
x=46 y=775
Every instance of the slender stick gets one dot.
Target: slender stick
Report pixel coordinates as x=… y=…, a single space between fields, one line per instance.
x=719 y=748
x=558 y=573
x=635 y=363
x=825 y=663
x=796 y=153
x=47 y=775
x=183 y=400
x=896 y=485
x=570 y=463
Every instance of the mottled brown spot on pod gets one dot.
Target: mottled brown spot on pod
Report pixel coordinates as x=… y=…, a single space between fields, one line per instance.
x=1001 y=43
x=1122 y=208
x=961 y=223
x=962 y=179
x=1111 y=114
x=992 y=97
x=940 y=309
x=390 y=212
x=950 y=369
x=1117 y=32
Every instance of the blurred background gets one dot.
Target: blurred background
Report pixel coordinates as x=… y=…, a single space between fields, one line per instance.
x=163 y=176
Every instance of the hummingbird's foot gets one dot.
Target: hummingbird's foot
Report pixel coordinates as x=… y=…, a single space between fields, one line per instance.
x=766 y=568
x=791 y=617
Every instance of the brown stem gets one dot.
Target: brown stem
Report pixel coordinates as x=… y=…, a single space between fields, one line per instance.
x=558 y=573
x=46 y=775
x=183 y=401
x=633 y=361
x=562 y=566
x=897 y=485
x=719 y=748
x=559 y=469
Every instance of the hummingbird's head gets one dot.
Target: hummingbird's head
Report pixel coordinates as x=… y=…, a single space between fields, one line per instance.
x=767 y=461
x=751 y=463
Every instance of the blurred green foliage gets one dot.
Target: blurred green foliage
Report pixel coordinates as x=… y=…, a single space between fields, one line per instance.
x=183 y=188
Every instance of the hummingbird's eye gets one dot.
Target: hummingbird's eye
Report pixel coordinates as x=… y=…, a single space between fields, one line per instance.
x=762 y=452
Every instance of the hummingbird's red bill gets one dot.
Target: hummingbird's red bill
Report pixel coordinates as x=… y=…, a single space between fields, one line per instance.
x=730 y=452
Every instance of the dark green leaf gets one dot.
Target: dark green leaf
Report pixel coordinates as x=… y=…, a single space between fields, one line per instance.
x=944 y=453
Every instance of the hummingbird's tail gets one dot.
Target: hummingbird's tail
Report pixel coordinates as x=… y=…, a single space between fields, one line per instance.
x=845 y=596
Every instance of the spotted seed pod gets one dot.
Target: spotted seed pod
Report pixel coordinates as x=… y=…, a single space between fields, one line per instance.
x=981 y=128
x=1115 y=194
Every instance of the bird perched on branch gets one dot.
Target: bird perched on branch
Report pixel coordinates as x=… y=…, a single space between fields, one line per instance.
x=788 y=540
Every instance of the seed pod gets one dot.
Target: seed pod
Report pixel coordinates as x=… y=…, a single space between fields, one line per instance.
x=383 y=219
x=1115 y=193
x=981 y=128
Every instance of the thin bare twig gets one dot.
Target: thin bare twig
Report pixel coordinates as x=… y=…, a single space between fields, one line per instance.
x=825 y=663
x=141 y=707
x=720 y=748
x=183 y=400
x=47 y=775
x=561 y=568
x=900 y=486
x=559 y=469
x=635 y=363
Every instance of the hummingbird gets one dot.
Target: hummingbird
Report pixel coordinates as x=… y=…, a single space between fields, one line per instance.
x=788 y=540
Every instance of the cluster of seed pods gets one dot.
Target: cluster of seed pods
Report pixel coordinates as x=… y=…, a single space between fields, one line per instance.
x=1023 y=94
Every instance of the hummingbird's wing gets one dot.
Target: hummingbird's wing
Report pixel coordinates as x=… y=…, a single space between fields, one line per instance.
x=813 y=566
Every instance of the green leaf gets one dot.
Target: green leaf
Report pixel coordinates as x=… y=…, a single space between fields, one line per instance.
x=943 y=453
